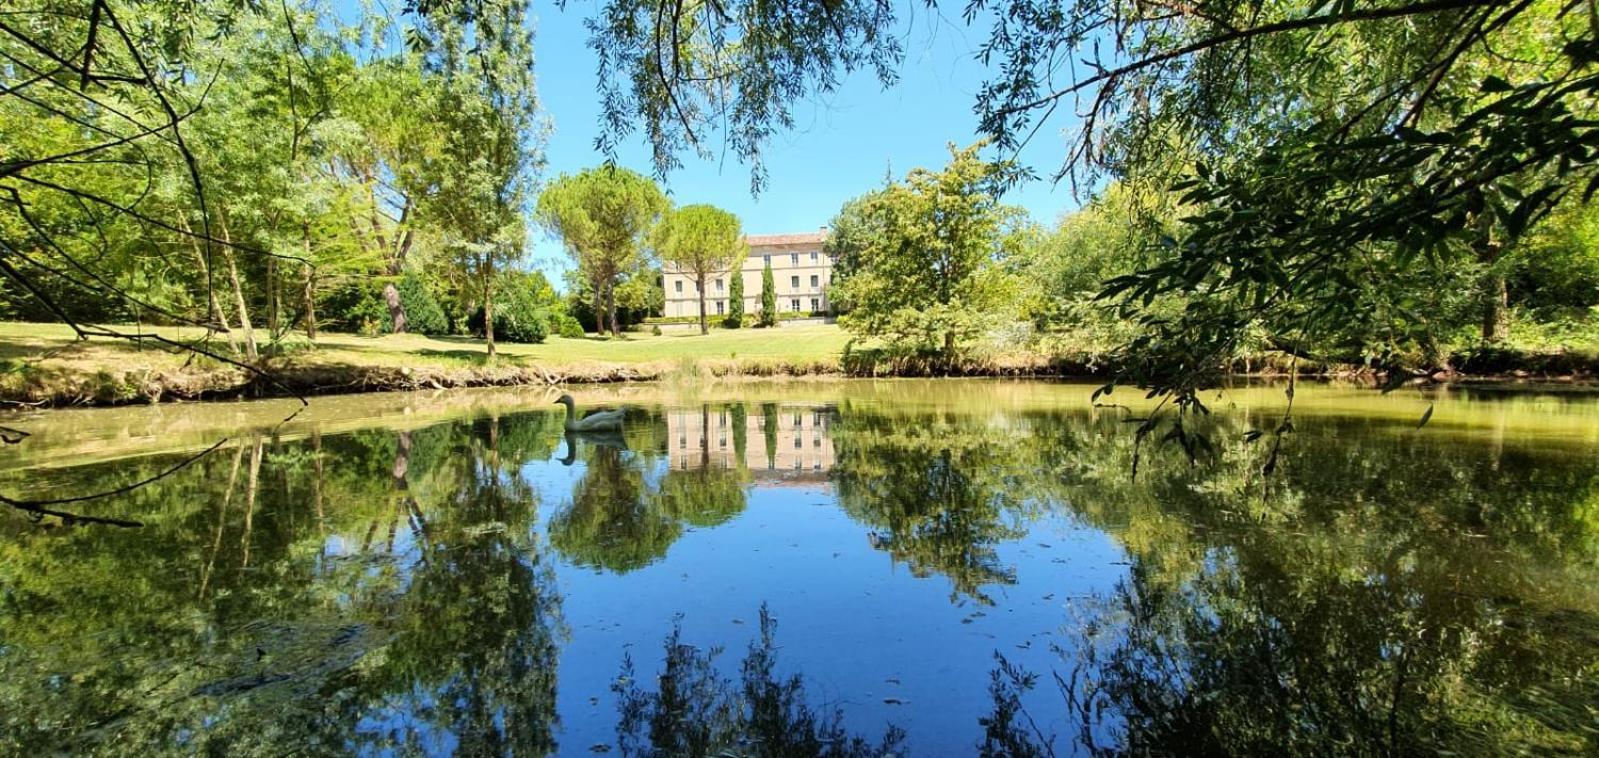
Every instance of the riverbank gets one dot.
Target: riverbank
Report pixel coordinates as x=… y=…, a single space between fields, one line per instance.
x=42 y=365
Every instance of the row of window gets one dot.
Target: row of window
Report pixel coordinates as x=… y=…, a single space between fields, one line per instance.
x=794 y=283
x=793 y=305
x=793 y=259
x=682 y=439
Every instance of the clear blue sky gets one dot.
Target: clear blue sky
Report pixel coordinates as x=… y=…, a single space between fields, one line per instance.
x=841 y=145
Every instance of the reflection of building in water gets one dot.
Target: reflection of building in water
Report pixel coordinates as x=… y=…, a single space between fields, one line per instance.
x=798 y=443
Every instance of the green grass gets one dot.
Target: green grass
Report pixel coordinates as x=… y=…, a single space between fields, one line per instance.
x=809 y=342
x=44 y=364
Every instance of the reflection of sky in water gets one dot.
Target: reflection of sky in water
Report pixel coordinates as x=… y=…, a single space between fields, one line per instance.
x=848 y=618
x=869 y=635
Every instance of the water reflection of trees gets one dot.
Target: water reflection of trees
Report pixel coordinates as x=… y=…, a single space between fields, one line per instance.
x=1385 y=592
x=940 y=492
x=694 y=710
x=368 y=591
x=626 y=511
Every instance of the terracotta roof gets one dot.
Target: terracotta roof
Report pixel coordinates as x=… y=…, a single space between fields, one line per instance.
x=803 y=238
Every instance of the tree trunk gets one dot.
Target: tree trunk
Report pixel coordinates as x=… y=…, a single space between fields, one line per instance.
x=704 y=329
x=310 y=289
x=213 y=307
x=610 y=305
x=391 y=298
x=310 y=304
x=272 y=295
x=1496 y=310
x=488 y=305
x=597 y=283
x=238 y=297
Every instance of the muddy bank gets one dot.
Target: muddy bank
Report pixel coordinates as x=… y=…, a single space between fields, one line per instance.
x=108 y=386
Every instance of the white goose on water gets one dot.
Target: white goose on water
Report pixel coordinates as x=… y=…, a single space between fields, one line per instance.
x=598 y=421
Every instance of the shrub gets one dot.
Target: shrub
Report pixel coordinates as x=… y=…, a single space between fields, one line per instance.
x=735 y=300
x=565 y=325
x=768 y=298
x=423 y=314
x=517 y=317
x=356 y=307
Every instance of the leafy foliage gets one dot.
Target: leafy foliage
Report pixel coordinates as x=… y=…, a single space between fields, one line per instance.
x=924 y=271
x=701 y=240
x=423 y=313
x=735 y=299
x=678 y=73
x=604 y=217
x=768 y=317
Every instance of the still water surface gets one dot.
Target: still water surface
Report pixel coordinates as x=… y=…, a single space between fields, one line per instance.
x=922 y=567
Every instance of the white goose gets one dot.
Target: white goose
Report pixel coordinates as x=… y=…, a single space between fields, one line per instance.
x=598 y=421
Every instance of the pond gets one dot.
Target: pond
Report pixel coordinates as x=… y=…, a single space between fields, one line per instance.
x=845 y=568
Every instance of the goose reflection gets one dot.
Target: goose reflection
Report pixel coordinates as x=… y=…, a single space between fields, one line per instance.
x=611 y=438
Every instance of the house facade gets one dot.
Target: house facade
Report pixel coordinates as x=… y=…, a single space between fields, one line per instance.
x=801 y=271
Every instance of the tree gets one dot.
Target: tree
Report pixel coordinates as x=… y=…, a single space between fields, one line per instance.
x=701 y=240
x=1340 y=163
x=928 y=276
x=735 y=299
x=768 y=297
x=386 y=140
x=491 y=142
x=603 y=216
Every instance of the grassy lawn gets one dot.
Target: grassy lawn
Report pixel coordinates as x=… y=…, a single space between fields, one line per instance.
x=21 y=341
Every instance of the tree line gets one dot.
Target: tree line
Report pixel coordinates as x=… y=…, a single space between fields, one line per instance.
x=372 y=176
x=1400 y=183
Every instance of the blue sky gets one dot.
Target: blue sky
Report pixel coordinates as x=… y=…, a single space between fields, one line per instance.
x=841 y=146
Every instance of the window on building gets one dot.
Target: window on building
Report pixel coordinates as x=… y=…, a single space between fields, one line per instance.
x=815 y=305
x=679 y=284
x=793 y=259
x=816 y=280
x=814 y=256
x=719 y=307
x=793 y=282
x=696 y=286
x=798 y=443
x=794 y=305
x=767 y=259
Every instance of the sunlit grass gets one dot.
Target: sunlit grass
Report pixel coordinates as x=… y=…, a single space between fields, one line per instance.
x=808 y=342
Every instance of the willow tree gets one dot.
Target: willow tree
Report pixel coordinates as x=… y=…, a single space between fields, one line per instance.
x=701 y=240
x=603 y=216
